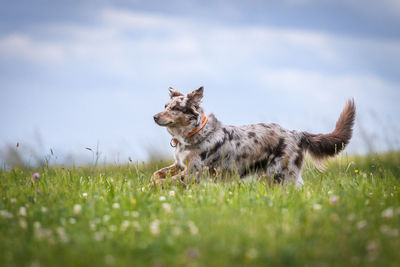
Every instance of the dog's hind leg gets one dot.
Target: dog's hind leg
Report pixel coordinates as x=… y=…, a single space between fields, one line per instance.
x=161 y=174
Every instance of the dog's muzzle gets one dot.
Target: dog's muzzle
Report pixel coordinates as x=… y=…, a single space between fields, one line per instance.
x=156 y=118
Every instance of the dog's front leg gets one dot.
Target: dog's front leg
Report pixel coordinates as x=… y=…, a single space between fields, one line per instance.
x=180 y=177
x=161 y=174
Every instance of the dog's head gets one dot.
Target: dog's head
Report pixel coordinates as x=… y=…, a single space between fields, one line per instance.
x=181 y=110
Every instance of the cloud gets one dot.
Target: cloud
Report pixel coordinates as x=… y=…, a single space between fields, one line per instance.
x=23 y=46
x=134 y=47
x=323 y=89
x=368 y=7
x=128 y=40
x=139 y=20
x=125 y=51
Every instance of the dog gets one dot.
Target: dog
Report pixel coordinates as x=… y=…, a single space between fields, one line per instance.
x=202 y=143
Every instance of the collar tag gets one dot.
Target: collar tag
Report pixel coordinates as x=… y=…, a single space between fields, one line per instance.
x=173 y=142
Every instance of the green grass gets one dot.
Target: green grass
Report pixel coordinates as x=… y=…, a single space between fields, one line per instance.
x=348 y=215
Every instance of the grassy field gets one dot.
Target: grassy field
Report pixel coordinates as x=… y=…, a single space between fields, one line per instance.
x=348 y=215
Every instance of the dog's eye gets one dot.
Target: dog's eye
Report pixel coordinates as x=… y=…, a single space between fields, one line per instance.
x=179 y=108
x=165 y=106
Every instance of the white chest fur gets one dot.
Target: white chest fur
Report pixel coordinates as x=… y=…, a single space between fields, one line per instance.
x=181 y=156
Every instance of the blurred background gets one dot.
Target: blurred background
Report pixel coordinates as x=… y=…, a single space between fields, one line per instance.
x=81 y=80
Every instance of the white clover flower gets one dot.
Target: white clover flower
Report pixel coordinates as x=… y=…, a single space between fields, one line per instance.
x=22 y=211
x=193 y=228
x=113 y=228
x=36 y=225
x=155 y=227
x=135 y=214
x=5 y=214
x=98 y=236
x=77 y=208
x=62 y=235
x=124 y=225
x=167 y=208
x=44 y=209
x=372 y=246
x=41 y=233
x=23 y=224
x=85 y=195
x=333 y=200
x=92 y=226
x=106 y=218
x=351 y=217
x=13 y=201
x=162 y=198
x=116 y=205
x=386 y=230
x=361 y=224
x=171 y=193
x=317 y=207
x=72 y=220
x=387 y=213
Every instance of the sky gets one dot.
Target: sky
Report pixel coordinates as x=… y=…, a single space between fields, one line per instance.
x=91 y=74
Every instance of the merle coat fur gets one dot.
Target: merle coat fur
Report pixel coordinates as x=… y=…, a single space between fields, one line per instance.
x=265 y=149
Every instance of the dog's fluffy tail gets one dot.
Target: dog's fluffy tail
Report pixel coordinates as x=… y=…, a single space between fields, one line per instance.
x=325 y=145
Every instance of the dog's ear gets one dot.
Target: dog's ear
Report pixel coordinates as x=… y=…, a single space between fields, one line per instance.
x=196 y=95
x=173 y=92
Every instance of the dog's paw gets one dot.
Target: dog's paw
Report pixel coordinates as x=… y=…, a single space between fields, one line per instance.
x=179 y=178
x=157 y=176
x=157 y=182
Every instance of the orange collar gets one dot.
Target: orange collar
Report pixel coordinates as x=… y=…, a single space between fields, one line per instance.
x=195 y=131
x=203 y=122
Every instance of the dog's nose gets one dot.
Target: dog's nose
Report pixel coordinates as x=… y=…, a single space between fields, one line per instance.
x=156 y=117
